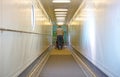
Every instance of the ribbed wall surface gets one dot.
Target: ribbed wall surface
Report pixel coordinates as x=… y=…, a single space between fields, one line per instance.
x=25 y=32
x=95 y=32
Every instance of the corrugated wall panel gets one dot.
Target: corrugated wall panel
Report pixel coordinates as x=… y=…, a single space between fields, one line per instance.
x=22 y=38
x=95 y=32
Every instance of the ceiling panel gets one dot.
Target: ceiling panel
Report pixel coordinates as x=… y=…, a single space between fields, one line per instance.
x=72 y=7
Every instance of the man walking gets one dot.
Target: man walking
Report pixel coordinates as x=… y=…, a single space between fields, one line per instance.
x=60 y=34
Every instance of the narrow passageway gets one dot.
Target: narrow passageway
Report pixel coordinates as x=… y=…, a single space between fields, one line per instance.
x=61 y=64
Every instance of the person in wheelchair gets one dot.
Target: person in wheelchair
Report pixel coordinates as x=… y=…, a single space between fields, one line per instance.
x=60 y=40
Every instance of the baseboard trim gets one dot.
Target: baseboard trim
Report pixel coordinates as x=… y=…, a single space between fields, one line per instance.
x=90 y=65
x=36 y=65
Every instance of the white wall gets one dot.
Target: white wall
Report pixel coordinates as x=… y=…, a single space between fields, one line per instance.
x=18 y=49
x=0 y=13
x=17 y=10
x=99 y=36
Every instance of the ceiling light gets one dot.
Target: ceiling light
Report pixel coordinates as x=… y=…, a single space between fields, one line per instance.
x=60 y=13
x=60 y=23
x=61 y=1
x=60 y=19
x=60 y=9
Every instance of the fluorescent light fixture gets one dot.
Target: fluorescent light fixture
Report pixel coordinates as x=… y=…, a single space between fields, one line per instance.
x=60 y=9
x=60 y=20
x=60 y=23
x=61 y=1
x=60 y=13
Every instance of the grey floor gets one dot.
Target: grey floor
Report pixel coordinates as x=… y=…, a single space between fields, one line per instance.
x=61 y=64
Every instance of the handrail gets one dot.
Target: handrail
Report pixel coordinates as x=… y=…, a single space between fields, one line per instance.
x=2 y=29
